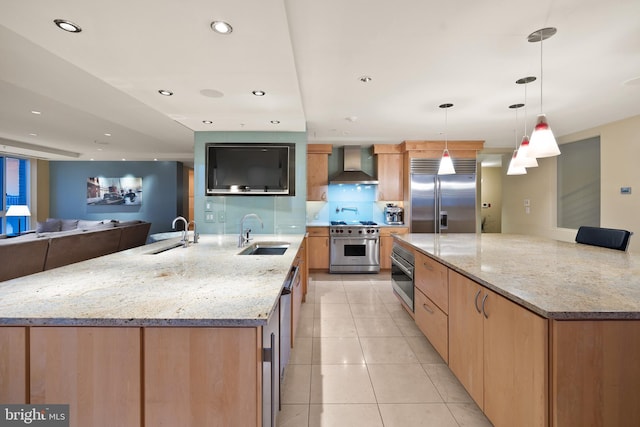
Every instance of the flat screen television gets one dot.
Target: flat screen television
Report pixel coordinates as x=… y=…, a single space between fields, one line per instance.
x=250 y=169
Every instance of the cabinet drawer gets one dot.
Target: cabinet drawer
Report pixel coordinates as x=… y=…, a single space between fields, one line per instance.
x=318 y=231
x=431 y=278
x=433 y=323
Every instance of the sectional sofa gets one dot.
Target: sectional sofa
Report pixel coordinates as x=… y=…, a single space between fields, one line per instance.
x=59 y=242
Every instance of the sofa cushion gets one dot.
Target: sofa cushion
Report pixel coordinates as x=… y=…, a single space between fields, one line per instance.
x=50 y=225
x=69 y=224
x=84 y=224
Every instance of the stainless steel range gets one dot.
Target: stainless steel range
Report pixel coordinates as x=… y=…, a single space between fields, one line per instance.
x=354 y=248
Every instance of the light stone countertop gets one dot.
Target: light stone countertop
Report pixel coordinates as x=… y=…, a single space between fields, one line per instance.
x=558 y=280
x=206 y=284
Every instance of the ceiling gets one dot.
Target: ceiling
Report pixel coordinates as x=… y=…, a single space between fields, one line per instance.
x=308 y=56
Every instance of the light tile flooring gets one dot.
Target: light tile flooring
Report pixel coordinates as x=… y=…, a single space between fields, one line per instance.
x=360 y=360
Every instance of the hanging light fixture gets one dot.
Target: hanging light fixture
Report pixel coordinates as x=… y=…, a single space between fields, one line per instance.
x=446 y=164
x=543 y=143
x=514 y=168
x=524 y=157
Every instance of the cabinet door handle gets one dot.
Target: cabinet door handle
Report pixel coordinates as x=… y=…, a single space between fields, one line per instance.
x=484 y=300
x=475 y=301
x=428 y=266
x=324 y=196
x=427 y=308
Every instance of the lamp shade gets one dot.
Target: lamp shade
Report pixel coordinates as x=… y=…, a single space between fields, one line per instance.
x=524 y=158
x=18 y=210
x=543 y=143
x=446 y=164
x=514 y=169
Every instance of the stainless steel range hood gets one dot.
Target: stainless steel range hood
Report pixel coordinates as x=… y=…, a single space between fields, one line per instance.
x=352 y=172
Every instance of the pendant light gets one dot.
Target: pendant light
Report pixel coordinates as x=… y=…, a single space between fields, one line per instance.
x=514 y=167
x=446 y=164
x=524 y=157
x=543 y=143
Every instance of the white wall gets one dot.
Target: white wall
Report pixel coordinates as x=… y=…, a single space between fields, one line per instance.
x=620 y=153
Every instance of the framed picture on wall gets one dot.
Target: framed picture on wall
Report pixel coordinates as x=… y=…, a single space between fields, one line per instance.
x=114 y=191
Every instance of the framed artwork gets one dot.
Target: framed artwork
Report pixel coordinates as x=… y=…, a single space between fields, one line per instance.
x=114 y=191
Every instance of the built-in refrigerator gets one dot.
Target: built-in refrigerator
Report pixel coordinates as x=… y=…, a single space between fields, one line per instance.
x=442 y=203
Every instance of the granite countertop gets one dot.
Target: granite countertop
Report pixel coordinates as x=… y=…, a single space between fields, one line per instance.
x=206 y=284
x=558 y=280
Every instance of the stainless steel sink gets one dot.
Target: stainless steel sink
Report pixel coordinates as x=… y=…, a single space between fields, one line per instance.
x=265 y=248
x=165 y=248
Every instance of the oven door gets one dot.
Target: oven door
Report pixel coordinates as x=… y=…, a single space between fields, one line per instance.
x=402 y=280
x=354 y=255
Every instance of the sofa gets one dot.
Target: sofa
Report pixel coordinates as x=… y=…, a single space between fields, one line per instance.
x=59 y=242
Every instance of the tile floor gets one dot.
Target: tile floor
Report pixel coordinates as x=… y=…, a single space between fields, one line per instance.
x=360 y=360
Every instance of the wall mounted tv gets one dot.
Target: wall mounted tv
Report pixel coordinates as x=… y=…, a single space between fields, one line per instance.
x=250 y=169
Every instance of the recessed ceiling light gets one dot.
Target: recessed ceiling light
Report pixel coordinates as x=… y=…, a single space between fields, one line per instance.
x=124 y=160
x=365 y=79
x=221 y=27
x=275 y=122
x=259 y=93
x=35 y=112
x=107 y=134
x=33 y=134
x=155 y=160
x=69 y=26
x=207 y=122
x=165 y=92
x=211 y=93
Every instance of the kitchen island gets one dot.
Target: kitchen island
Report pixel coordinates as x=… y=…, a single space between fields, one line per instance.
x=540 y=332
x=156 y=335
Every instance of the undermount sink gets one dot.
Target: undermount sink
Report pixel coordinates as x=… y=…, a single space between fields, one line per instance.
x=265 y=248
x=165 y=248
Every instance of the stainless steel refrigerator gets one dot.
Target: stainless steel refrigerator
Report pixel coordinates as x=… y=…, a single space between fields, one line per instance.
x=442 y=203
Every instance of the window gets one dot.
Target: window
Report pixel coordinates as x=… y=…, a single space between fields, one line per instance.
x=14 y=181
x=579 y=184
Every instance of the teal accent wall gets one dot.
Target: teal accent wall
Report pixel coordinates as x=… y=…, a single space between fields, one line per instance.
x=161 y=187
x=222 y=214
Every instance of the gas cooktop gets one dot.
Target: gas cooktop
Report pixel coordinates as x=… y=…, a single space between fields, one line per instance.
x=355 y=223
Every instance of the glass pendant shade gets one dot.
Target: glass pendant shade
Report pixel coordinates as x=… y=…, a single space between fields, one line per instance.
x=524 y=157
x=446 y=164
x=513 y=168
x=543 y=143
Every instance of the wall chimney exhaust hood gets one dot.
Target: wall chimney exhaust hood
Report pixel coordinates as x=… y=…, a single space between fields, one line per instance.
x=352 y=172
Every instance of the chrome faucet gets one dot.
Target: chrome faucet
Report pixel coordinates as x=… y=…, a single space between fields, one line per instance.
x=185 y=239
x=244 y=239
x=195 y=231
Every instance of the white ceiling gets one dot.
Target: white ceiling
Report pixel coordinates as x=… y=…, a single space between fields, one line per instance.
x=308 y=55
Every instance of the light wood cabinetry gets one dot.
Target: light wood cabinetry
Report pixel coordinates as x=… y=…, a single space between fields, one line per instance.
x=596 y=373
x=94 y=370
x=298 y=290
x=433 y=323
x=498 y=350
x=202 y=377
x=318 y=248
x=13 y=365
x=318 y=171
x=390 y=169
x=386 y=244
x=431 y=278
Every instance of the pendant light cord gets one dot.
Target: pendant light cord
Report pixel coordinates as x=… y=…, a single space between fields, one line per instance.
x=525 y=107
x=541 y=79
x=446 y=140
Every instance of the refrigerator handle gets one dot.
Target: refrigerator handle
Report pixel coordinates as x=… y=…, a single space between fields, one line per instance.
x=437 y=201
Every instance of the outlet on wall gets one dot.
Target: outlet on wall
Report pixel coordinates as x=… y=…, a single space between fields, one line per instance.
x=221 y=216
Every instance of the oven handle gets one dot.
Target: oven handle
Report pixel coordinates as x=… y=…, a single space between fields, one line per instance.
x=398 y=263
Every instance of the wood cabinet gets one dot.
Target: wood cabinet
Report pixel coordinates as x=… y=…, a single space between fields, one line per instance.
x=433 y=323
x=318 y=171
x=13 y=365
x=95 y=370
x=298 y=290
x=202 y=377
x=431 y=278
x=498 y=350
x=318 y=248
x=386 y=244
x=390 y=169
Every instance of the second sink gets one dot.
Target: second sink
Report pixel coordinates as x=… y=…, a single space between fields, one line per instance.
x=265 y=248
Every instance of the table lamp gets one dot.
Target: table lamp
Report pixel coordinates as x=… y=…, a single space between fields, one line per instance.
x=19 y=211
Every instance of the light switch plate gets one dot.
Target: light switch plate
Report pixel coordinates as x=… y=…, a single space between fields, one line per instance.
x=209 y=217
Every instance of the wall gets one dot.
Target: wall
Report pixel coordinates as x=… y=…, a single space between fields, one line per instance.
x=280 y=214
x=491 y=193
x=161 y=184
x=620 y=152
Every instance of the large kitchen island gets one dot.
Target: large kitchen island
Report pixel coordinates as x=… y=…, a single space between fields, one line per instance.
x=539 y=332
x=158 y=335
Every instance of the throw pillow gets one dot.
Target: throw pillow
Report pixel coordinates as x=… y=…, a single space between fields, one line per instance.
x=84 y=224
x=69 y=224
x=50 y=225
